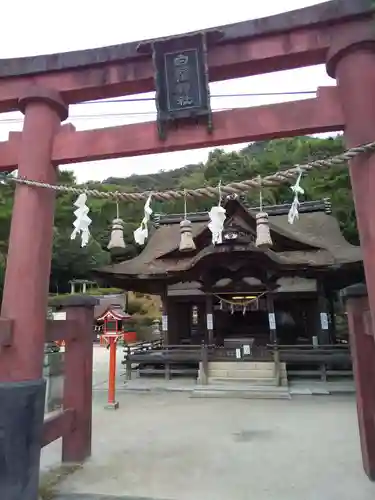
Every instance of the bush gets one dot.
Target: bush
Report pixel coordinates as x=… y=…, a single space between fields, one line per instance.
x=142 y=325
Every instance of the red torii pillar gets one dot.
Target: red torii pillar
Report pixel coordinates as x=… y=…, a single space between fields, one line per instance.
x=22 y=388
x=352 y=63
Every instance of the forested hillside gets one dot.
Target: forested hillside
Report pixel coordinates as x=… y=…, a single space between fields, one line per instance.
x=70 y=261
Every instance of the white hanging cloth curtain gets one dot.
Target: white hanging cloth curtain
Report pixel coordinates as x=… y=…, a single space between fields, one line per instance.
x=83 y=221
x=297 y=190
x=217 y=216
x=141 y=233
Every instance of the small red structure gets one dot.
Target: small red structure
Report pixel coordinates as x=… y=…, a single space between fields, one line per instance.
x=113 y=319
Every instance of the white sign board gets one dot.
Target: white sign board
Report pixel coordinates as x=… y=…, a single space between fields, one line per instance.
x=246 y=350
x=272 y=321
x=210 y=322
x=238 y=353
x=60 y=316
x=324 y=321
x=164 y=323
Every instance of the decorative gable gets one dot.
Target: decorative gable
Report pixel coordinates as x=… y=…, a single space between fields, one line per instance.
x=236 y=231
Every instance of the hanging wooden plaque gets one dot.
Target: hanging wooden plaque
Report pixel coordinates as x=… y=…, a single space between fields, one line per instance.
x=181 y=81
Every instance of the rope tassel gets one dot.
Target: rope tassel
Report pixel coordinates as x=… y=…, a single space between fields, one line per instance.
x=263 y=240
x=186 y=242
x=117 y=234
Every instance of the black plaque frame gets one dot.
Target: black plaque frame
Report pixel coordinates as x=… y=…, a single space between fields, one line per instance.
x=193 y=47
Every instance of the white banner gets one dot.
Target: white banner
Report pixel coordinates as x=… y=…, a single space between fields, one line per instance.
x=210 y=322
x=164 y=322
x=324 y=321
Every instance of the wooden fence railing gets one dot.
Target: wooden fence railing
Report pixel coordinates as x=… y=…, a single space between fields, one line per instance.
x=73 y=422
x=328 y=360
x=169 y=359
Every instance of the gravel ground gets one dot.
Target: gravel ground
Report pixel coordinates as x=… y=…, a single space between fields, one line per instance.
x=168 y=446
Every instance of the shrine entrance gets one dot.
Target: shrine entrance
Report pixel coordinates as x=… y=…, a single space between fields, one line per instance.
x=338 y=33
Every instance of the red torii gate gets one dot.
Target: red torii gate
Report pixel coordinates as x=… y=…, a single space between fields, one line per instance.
x=340 y=34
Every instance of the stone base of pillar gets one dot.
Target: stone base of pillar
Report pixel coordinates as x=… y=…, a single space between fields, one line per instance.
x=112 y=406
x=21 y=428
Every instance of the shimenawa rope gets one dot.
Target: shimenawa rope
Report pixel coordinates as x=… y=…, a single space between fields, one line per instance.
x=278 y=178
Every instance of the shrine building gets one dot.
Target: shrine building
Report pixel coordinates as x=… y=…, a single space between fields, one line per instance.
x=236 y=292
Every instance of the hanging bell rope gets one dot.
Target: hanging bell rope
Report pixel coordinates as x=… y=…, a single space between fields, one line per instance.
x=186 y=240
x=117 y=234
x=263 y=237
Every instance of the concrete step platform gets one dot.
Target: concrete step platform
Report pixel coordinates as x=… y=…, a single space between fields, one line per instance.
x=93 y=496
x=235 y=390
x=271 y=382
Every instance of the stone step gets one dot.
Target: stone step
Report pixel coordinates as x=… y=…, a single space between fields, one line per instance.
x=244 y=365
x=231 y=390
x=239 y=366
x=251 y=374
x=249 y=381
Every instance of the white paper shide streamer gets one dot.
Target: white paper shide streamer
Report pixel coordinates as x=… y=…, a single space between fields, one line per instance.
x=83 y=221
x=297 y=190
x=217 y=216
x=141 y=233
x=216 y=225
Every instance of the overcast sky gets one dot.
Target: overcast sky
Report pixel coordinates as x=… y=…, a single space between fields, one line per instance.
x=44 y=26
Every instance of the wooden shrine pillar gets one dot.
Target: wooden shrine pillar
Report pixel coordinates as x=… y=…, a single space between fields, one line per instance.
x=172 y=321
x=25 y=297
x=362 y=345
x=331 y=309
x=323 y=328
x=209 y=319
x=164 y=317
x=202 y=323
x=271 y=318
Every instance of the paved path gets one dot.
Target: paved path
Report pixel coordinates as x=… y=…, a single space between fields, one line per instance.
x=168 y=446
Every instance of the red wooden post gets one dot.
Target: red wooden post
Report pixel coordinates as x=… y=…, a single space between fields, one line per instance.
x=30 y=242
x=352 y=62
x=78 y=376
x=22 y=388
x=112 y=403
x=362 y=343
